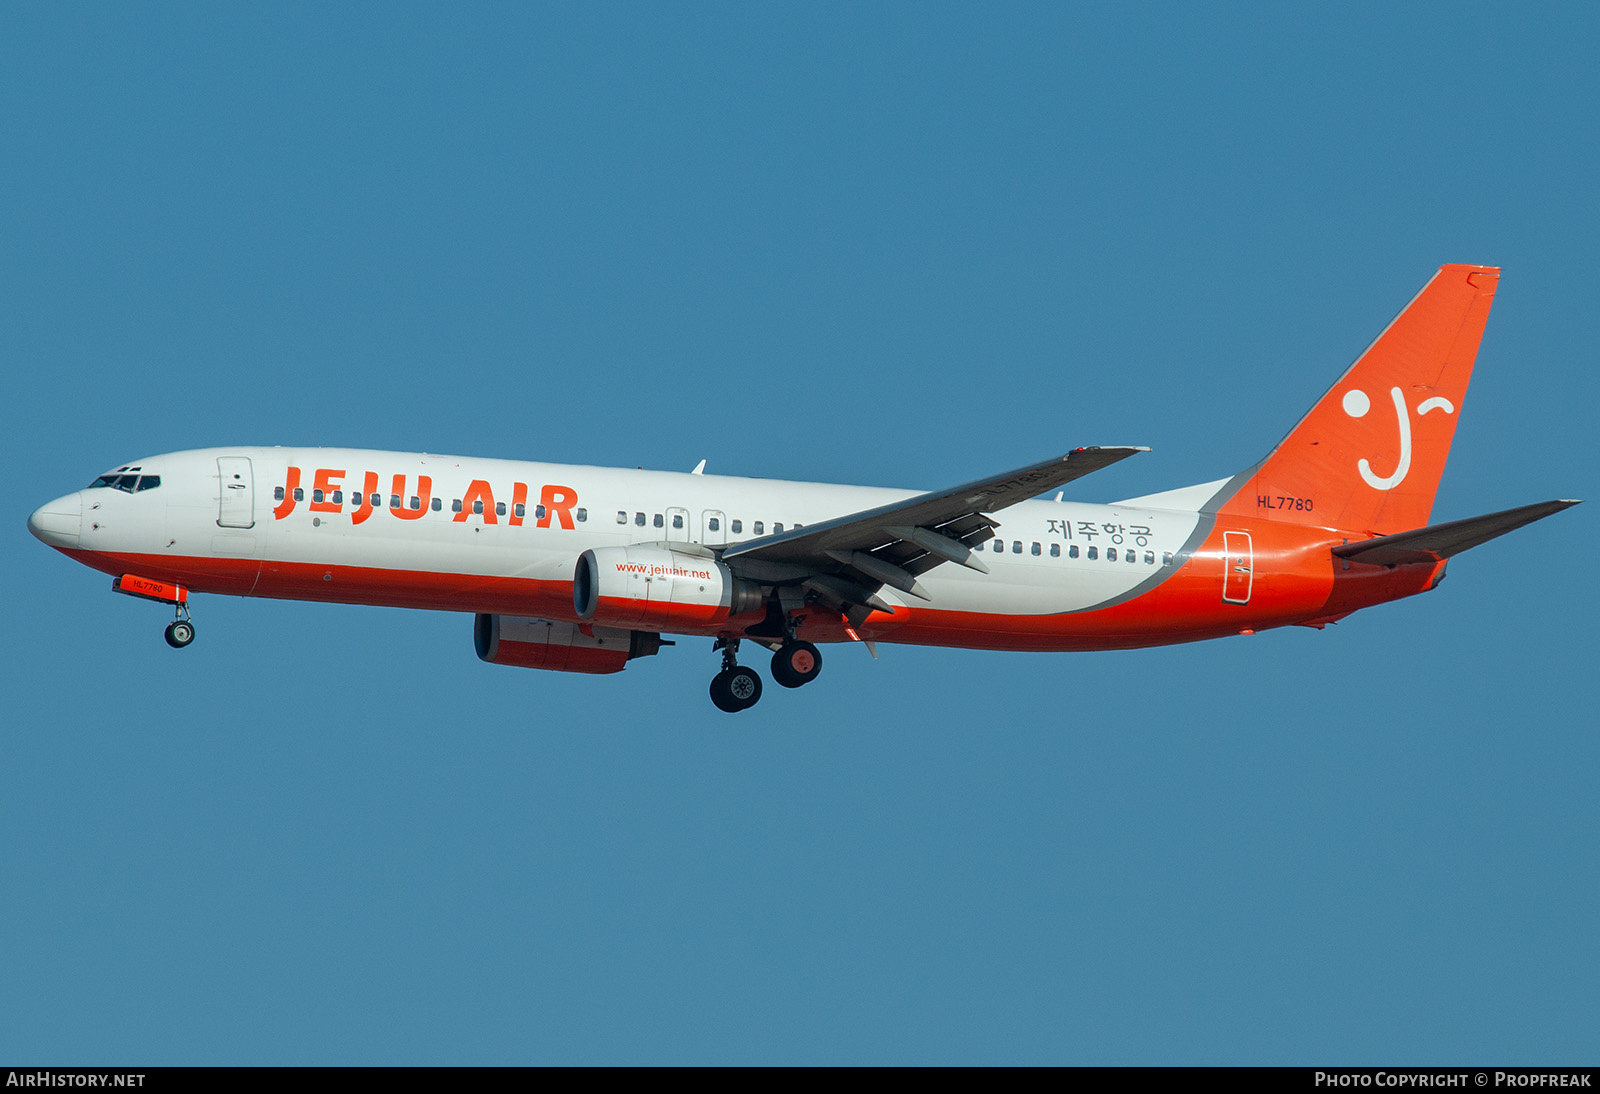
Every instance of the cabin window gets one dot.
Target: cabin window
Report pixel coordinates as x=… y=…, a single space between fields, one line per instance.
x=538 y=512
x=416 y=502
x=638 y=519
x=1016 y=546
x=377 y=499
x=455 y=505
x=394 y=501
x=1149 y=558
x=338 y=497
x=1055 y=550
x=677 y=520
x=736 y=526
x=1111 y=554
x=499 y=508
x=582 y=515
x=299 y=494
x=1072 y=552
x=1131 y=555
x=1094 y=553
x=658 y=521
x=714 y=524
x=1036 y=549
x=277 y=491
x=757 y=528
x=622 y=516
x=519 y=509
x=777 y=526
x=477 y=507
x=999 y=546
x=316 y=495
x=437 y=505
x=1166 y=558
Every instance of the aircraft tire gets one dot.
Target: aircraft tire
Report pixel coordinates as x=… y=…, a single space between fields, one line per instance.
x=796 y=664
x=722 y=696
x=179 y=633
x=744 y=684
x=735 y=689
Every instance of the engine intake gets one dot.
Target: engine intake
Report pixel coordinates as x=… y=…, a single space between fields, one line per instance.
x=562 y=647
x=658 y=589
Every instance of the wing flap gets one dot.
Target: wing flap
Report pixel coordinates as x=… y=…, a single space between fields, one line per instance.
x=848 y=559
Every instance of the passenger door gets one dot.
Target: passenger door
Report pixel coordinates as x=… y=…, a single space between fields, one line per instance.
x=236 y=507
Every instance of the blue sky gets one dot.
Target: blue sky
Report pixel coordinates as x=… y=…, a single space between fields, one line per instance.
x=893 y=245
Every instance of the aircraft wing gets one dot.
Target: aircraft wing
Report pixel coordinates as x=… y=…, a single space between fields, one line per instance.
x=848 y=559
x=1440 y=541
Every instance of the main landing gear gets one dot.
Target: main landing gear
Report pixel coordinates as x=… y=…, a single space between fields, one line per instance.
x=796 y=663
x=737 y=687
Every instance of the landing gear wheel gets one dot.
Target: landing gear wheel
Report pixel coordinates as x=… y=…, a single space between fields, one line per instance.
x=796 y=664
x=735 y=689
x=179 y=633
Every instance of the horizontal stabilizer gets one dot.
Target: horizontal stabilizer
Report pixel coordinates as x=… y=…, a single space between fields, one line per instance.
x=1440 y=541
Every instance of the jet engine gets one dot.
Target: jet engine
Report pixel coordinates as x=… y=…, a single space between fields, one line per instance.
x=563 y=647
x=658 y=589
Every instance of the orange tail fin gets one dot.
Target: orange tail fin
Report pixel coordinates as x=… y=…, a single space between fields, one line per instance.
x=1368 y=456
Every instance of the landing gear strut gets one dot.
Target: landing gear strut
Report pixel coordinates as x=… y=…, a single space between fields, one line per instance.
x=736 y=687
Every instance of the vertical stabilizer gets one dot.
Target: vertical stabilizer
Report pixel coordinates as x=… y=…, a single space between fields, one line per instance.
x=1368 y=456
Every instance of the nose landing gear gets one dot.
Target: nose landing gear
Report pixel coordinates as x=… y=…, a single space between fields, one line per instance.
x=736 y=687
x=179 y=633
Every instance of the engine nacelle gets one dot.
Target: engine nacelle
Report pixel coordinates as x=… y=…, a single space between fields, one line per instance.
x=562 y=647
x=658 y=589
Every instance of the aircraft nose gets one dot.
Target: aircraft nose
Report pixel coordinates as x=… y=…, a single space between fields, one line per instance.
x=59 y=522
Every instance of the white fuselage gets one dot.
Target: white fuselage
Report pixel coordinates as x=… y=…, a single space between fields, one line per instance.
x=486 y=535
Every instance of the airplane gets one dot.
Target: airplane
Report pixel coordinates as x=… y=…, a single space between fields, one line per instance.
x=584 y=569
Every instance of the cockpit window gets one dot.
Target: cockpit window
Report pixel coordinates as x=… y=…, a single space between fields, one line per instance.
x=127 y=479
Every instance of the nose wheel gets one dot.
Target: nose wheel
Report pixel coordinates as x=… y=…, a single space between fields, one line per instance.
x=737 y=687
x=180 y=632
